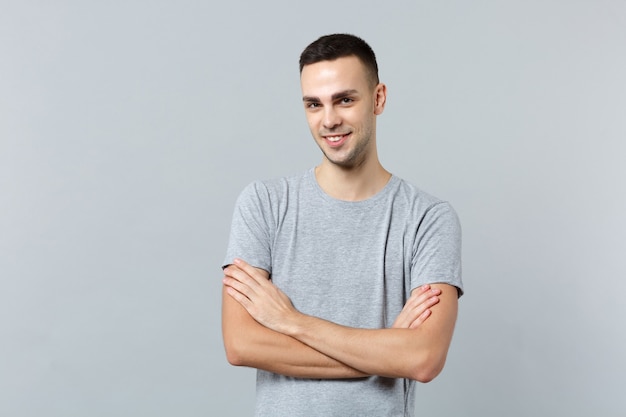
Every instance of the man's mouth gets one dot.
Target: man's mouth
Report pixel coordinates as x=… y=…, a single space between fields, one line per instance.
x=336 y=140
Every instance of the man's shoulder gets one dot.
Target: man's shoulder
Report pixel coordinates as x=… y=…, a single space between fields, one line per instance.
x=275 y=187
x=415 y=195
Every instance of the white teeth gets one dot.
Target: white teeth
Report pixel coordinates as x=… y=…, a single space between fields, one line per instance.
x=334 y=138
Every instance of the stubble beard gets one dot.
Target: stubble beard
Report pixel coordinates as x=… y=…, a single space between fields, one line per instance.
x=356 y=156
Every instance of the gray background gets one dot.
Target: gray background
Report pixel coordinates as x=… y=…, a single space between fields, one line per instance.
x=127 y=129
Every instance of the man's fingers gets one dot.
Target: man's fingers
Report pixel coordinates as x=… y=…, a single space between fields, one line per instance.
x=239 y=297
x=423 y=289
x=421 y=294
x=250 y=270
x=421 y=319
x=241 y=275
x=417 y=308
x=237 y=285
x=245 y=266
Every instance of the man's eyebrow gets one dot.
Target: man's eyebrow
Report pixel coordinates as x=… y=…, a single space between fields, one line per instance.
x=308 y=99
x=334 y=97
x=344 y=94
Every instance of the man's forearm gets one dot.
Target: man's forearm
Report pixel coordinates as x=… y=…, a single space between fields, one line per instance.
x=393 y=353
x=417 y=354
x=248 y=343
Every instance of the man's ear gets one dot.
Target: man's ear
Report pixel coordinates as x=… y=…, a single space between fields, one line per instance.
x=380 y=98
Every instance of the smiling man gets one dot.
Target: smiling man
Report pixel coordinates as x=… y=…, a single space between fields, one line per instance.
x=341 y=283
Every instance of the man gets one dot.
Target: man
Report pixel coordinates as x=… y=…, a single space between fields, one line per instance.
x=341 y=283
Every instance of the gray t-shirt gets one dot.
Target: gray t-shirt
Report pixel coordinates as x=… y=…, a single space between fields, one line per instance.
x=353 y=263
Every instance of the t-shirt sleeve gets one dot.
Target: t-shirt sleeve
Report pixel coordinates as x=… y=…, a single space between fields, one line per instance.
x=437 y=251
x=251 y=228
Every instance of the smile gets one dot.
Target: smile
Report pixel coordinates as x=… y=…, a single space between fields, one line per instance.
x=336 y=140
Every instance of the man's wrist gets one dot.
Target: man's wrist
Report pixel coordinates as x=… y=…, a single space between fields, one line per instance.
x=295 y=325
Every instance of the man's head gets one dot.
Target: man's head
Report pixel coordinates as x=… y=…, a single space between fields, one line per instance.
x=342 y=97
x=332 y=47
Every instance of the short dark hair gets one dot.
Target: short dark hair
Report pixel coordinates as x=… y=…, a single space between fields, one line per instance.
x=331 y=47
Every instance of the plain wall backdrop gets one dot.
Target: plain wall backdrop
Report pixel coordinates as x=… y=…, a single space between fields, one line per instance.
x=128 y=128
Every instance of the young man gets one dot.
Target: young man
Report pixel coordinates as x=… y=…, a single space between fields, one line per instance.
x=341 y=283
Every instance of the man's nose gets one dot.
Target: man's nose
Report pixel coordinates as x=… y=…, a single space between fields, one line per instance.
x=331 y=118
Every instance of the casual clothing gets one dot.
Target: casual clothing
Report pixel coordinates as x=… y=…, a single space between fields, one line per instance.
x=353 y=263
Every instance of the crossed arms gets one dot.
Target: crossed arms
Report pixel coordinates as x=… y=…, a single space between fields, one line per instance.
x=263 y=330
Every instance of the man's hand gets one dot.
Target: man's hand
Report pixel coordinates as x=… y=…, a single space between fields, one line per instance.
x=417 y=308
x=249 y=343
x=266 y=303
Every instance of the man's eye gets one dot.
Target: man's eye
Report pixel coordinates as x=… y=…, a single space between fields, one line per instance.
x=313 y=105
x=346 y=100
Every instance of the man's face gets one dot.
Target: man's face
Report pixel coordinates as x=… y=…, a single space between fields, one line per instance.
x=341 y=107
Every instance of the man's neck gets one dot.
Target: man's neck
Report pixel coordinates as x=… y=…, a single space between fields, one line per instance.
x=352 y=184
